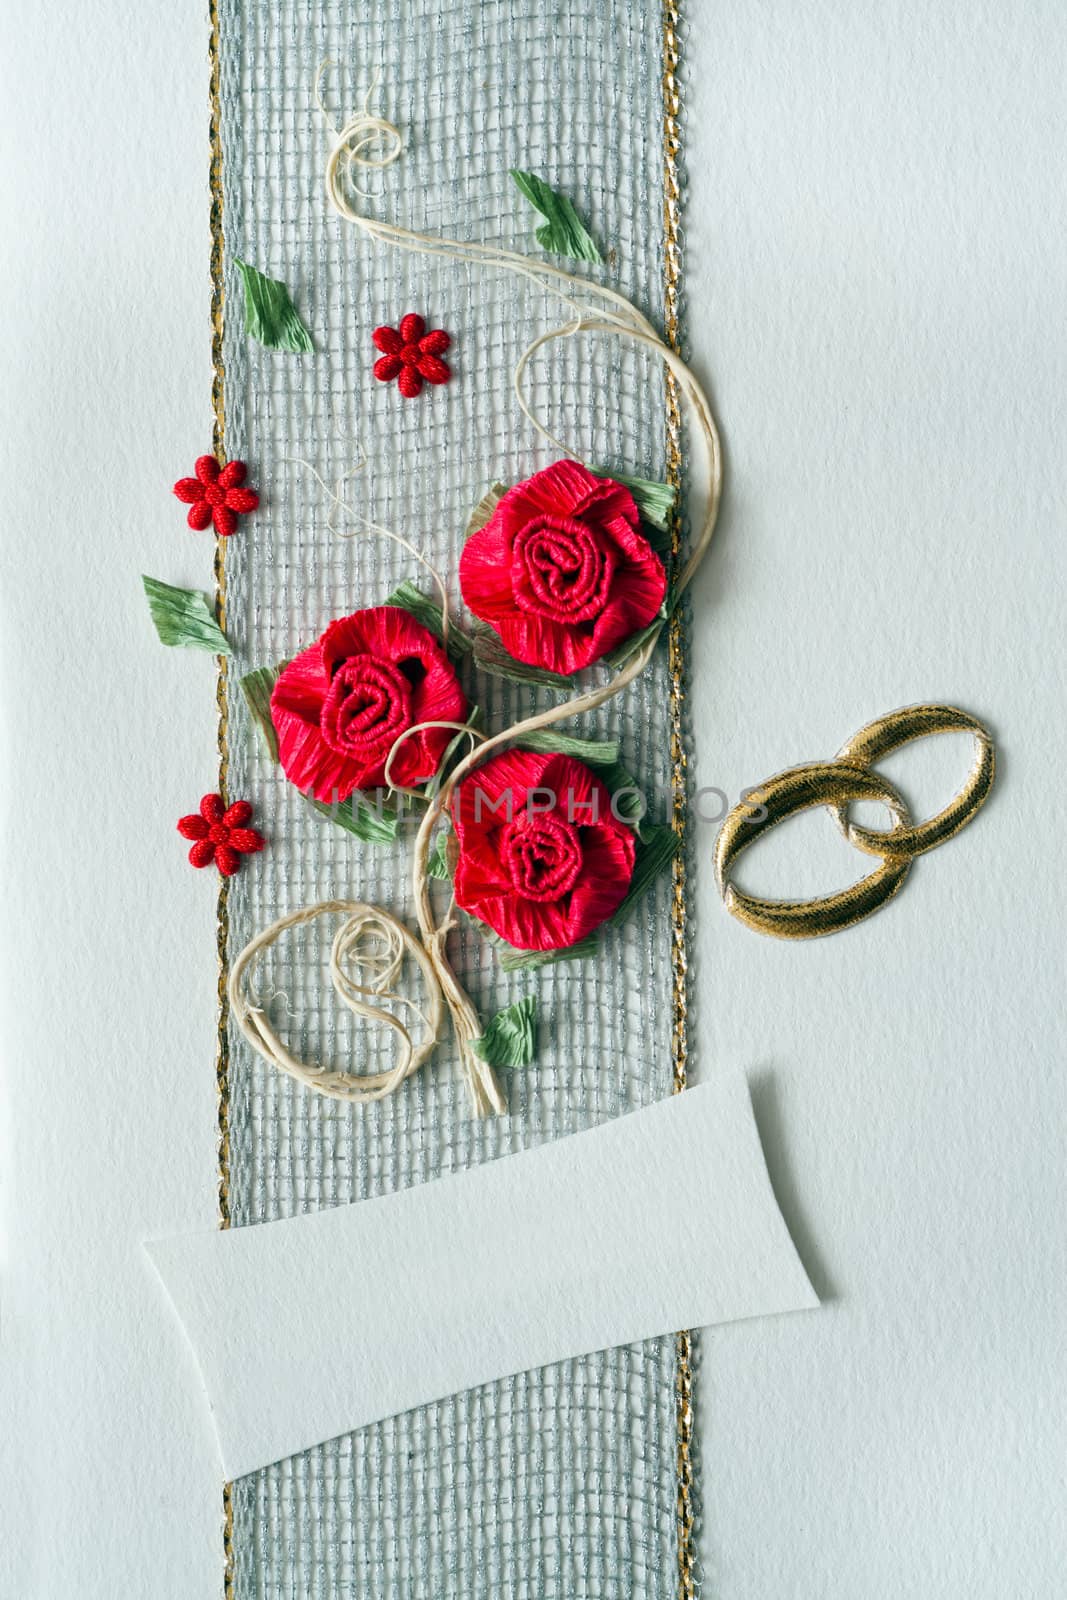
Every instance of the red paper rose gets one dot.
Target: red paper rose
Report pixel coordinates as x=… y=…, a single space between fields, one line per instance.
x=542 y=858
x=339 y=706
x=561 y=570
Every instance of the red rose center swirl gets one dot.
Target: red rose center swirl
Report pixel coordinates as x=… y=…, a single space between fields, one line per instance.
x=542 y=856
x=561 y=569
x=367 y=706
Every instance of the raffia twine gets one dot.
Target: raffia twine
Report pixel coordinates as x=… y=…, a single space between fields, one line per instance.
x=369 y=141
x=366 y=957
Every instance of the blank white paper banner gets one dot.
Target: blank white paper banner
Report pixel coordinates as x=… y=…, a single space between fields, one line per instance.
x=310 y=1327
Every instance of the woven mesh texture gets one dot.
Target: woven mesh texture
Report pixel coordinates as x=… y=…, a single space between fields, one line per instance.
x=561 y=1482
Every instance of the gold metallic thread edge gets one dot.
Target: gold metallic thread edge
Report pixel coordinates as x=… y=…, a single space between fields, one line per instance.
x=222 y=927
x=677 y=668
x=218 y=390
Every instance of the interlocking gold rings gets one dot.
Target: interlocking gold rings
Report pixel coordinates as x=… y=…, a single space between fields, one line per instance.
x=878 y=738
x=838 y=784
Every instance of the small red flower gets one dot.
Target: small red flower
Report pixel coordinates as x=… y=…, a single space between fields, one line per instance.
x=543 y=859
x=410 y=354
x=215 y=495
x=220 y=834
x=561 y=571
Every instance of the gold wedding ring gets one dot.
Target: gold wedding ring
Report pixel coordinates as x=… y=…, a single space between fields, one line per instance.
x=878 y=738
x=838 y=784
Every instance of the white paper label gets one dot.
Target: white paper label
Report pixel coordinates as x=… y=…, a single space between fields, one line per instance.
x=310 y=1327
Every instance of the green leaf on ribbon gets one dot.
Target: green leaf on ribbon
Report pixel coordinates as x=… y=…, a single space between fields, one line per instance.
x=185 y=617
x=563 y=231
x=490 y=655
x=594 y=752
x=510 y=1036
x=437 y=864
x=375 y=824
x=629 y=803
x=625 y=652
x=484 y=509
x=270 y=315
x=656 y=849
x=257 y=687
x=654 y=501
x=529 y=960
x=431 y=616
x=452 y=750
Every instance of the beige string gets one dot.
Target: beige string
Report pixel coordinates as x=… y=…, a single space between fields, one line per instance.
x=604 y=311
x=476 y=735
x=366 y=958
x=339 y=503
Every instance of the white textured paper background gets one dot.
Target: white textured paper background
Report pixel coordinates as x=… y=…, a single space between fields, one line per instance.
x=876 y=266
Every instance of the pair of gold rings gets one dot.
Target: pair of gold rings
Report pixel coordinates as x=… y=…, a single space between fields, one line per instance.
x=838 y=784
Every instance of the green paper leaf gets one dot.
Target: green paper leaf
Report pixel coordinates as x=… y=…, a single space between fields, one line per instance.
x=490 y=655
x=452 y=749
x=437 y=865
x=654 y=501
x=618 y=658
x=257 y=686
x=270 y=315
x=484 y=509
x=658 y=540
x=373 y=824
x=530 y=960
x=619 y=781
x=509 y=1039
x=563 y=231
x=594 y=752
x=185 y=617
x=656 y=848
x=431 y=616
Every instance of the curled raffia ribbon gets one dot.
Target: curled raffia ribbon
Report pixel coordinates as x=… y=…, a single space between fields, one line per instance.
x=366 y=958
x=838 y=784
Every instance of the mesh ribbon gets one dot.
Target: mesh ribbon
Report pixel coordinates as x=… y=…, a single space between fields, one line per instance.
x=562 y=1482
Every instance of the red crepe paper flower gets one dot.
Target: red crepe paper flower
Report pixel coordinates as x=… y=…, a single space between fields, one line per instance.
x=561 y=570
x=215 y=495
x=410 y=354
x=220 y=835
x=542 y=857
x=339 y=707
